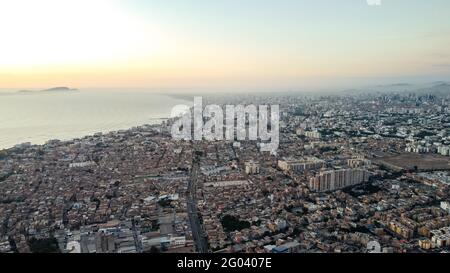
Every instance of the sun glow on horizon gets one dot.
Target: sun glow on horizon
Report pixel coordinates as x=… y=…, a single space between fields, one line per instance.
x=62 y=36
x=158 y=43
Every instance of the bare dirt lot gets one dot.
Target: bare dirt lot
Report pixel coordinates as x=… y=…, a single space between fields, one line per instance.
x=408 y=161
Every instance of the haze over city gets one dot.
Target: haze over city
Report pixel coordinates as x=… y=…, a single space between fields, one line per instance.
x=220 y=44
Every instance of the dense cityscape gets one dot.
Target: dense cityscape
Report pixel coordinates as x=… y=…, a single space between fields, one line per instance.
x=363 y=172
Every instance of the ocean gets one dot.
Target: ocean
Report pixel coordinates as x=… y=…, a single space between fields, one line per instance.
x=40 y=116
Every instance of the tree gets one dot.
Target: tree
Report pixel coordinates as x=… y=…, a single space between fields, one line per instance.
x=232 y=223
x=154 y=249
x=48 y=245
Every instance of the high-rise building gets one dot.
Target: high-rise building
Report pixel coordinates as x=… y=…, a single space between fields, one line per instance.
x=337 y=179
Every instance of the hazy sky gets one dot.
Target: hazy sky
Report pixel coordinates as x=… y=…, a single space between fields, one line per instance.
x=221 y=43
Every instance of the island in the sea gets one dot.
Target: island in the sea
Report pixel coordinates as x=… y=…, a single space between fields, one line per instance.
x=54 y=89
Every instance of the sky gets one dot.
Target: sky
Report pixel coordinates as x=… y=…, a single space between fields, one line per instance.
x=277 y=44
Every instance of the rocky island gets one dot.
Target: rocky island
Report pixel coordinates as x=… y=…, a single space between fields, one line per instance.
x=54 y=89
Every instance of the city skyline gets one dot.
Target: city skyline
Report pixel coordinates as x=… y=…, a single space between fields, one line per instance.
x=204 y=128
x=222 y=44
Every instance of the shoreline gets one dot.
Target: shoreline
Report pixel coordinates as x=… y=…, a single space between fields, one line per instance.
x=40 y=139
x=28 y=143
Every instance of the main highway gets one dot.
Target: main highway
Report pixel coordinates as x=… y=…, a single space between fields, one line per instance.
x=198 y=233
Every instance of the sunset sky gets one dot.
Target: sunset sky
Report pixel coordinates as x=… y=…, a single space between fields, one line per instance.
x=221 y=43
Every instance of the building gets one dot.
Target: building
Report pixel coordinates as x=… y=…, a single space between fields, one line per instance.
x=358 y=162
x=445 y=206
x=5 y=247
x=441 y=237
x=300 y=131
x=310 y=134
x=82 y=164
x=73 y=247
x=291 y=247
x=418 y=149
x=301 y=165
x=401 y=229
x=337 y=179
x=280 y=249
x=444 y=150
x=425 y=244
x=252 y=167
x=313 y=134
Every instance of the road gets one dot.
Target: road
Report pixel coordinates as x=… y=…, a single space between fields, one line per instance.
x=198 y=233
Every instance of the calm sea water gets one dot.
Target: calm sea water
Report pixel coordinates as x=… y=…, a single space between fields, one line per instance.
x=37 y=118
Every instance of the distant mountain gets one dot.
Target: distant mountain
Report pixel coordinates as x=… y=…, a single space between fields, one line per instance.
x=387 y=88
x=442 y=85
x=439 y=82
x=435 y=88
x=54 y=89
x=440 y=88
x=395 y=85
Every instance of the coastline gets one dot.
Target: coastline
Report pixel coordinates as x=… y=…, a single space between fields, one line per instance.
x=102 y=133
x=62 y=126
